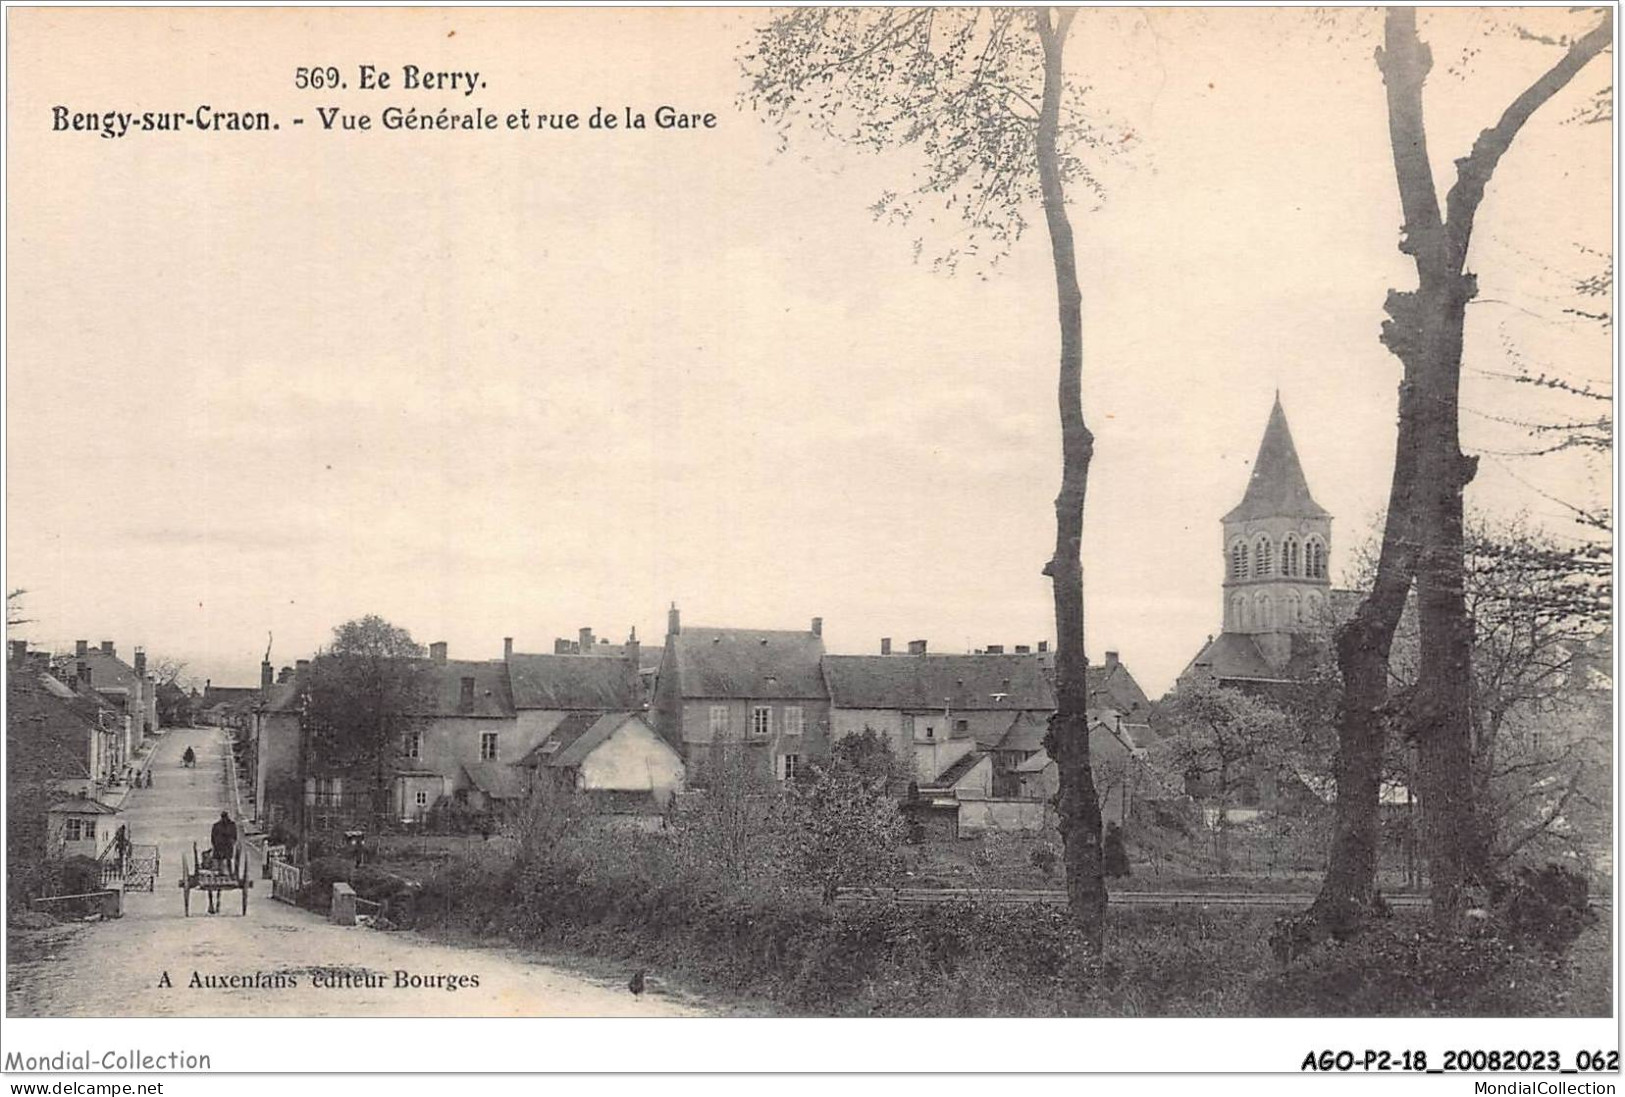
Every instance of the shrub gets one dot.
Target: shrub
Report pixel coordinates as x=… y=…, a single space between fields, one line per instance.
x=1388 y=970
x=79 y=875
x=1547 y=907
x=1044 y=859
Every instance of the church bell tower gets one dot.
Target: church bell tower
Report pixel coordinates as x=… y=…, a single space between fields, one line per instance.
x=1277 y=542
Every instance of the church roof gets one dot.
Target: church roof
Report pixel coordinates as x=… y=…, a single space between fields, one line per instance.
x=1277 y=487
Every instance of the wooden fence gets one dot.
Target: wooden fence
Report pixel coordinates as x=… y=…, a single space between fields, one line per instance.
x=109 y=903
x=286 y=880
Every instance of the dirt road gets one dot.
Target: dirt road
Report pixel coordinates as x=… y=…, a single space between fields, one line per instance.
x=278 y=960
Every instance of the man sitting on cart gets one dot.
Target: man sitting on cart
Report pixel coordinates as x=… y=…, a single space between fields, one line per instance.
x=223 y=841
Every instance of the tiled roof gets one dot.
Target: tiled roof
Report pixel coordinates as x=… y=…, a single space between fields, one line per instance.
x=47 y=736
x=106 y=671
x=573 y=682
x=749 y=664
x=956 y=772
x=1026 y=733
x=434 y=687
x=564 y=733
x=1234 y=655
x=602 y=729
x=496 y=779
x=976 y=682
x=1277 y=487
x=82 y=805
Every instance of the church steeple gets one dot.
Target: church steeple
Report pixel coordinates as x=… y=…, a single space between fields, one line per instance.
x=1276 y=546
x=1277 y=487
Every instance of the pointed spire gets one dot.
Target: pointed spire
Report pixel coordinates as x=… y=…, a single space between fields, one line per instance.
x=1277 y=487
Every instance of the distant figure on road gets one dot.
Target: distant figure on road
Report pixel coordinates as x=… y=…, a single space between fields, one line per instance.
x=121 y=845
x=223 y=839
x=188 y=759
x=149 y=778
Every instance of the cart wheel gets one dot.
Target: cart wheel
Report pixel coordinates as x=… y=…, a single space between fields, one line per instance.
x=186 y=901
x=245 y=898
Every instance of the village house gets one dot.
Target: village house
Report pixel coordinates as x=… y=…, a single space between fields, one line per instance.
x=473 y=733
x=758 y=692
x=647 y=660
x=944 y=715
x=616 y=758
x=131 y=688
x=62 y=753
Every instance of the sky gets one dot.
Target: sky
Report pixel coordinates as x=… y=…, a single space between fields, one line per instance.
x=512 y=384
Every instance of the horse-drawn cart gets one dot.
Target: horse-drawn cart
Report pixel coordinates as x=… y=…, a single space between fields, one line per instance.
x=213 y=875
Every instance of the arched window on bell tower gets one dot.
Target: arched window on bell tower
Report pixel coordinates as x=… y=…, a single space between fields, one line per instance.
x=1263 y=557
x=1314 y=558
x=1238 y=560
x=1263 y=614
x=1291 y=564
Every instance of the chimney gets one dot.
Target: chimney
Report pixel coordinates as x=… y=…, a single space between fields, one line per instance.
x=674 y=622
x=995 y=649
x=107 y=647
x=916 y=647
x=81 y=648
x=586 y=641
x=562 y=646
x=1024 y=649
x=19 y=651
x=83 y=673
x=437 y=651
x=633 y=649
x=140 y=663
x=1043 y=646
x=885 y=645
x=818 y=626
x=1111 y=659
x=466 y=701
x=266 y=675
x=507 y=649
x=285 y=675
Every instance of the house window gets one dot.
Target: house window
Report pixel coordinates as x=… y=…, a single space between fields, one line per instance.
x=719 y=721
x=761 y=721
x=414 y=745
x=423 y=799
x=930 y=731
x=789 y=766
x=793 y=720
x=488 y=746
x=962 y=725
x=73 y=830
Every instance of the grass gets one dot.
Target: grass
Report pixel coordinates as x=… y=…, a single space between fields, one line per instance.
x=608 y=904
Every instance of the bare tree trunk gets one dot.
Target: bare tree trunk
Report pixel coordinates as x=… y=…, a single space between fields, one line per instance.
x=1426 y=332
x=1077 y=803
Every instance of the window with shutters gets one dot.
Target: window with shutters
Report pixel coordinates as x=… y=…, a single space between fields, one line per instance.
x=719 y=721
x=794 y=720
x=761 y=722
x=488 y=746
